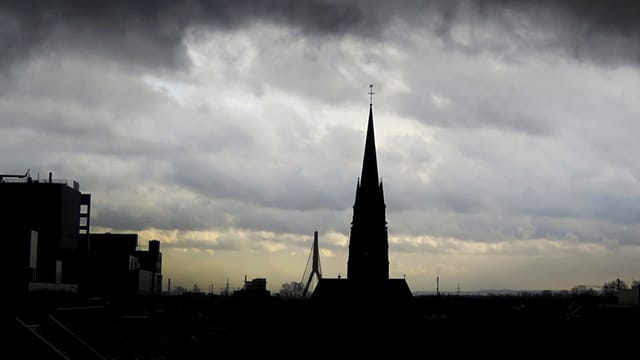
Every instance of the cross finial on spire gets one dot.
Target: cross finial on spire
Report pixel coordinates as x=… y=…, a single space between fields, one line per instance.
x=371 y=94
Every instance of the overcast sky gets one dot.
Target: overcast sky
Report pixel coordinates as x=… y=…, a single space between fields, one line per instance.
x=507 y=132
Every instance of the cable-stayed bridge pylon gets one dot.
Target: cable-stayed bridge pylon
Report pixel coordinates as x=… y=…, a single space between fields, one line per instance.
x=313 y=267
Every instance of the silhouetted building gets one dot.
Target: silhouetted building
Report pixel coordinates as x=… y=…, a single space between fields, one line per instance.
x=45 y=224
x=629 y=296
x=368 y=263
x=115 y=267
x=151 y=262
x=256 y=288
x=368 y=242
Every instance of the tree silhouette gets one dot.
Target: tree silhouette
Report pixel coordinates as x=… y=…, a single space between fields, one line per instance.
x=291 y=290
x=610 y=287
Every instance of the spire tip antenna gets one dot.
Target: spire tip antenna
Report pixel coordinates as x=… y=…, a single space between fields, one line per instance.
x=371 y=93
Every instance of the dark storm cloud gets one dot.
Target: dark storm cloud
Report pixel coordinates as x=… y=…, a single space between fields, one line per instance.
x=151 y=33
x=613 y=17
x=604 y=31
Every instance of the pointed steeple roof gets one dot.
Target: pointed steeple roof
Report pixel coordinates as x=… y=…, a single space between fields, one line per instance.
x=368 y=241
x=370 y=160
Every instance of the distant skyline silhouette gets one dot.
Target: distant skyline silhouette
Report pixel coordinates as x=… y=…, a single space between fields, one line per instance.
x=506 y=132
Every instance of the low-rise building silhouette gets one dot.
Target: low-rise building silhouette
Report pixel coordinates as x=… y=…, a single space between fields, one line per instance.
x=255 y=288
x=115 y=267
x=629 y=296
x=151 y=261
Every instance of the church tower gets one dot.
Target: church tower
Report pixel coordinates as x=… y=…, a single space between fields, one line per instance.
x=368 y=241
x=367 y=279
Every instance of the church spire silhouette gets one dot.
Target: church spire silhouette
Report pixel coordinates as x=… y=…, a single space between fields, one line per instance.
x=368 y=241
x=368 y=279
x=370 y=160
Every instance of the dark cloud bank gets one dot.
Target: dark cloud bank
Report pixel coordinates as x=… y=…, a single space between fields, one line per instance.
x=151 y=33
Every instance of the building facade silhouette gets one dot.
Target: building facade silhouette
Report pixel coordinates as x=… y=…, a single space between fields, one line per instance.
x=253 y=289
x=116 y=267
x=45 y=223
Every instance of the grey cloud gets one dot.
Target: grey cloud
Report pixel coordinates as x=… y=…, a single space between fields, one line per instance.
x=591 y=230
x=127 y=208
x=127 y=216
x=256 y=241
x=206 y=167
x=65 y=107
x=282 y=175
x=188 y=243
x=490 y=185
x=491 y=227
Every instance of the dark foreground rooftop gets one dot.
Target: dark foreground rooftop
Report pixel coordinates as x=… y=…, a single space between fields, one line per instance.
x=208 y=327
